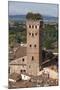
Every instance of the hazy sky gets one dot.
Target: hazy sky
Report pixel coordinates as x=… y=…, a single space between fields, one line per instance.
x=17 y=8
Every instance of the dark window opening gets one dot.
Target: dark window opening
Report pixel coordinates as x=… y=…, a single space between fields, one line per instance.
x=35 y=33
x=32 y=34
x=21 y=71
x=30 y=45
x=29 y=33
x=32 y=58
x=36 y=26
x=23 y=59
x=29 y=26
x=24 y=70
x=35 y=45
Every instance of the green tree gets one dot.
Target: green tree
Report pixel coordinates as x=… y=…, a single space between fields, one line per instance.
x=50 y=35
x=34 y=16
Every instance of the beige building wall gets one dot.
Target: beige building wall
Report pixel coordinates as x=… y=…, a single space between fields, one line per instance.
x=18 y=65
x=17 y=69
x=33 y=46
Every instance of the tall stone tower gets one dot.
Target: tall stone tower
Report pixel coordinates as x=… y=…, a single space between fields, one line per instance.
x=33 y=46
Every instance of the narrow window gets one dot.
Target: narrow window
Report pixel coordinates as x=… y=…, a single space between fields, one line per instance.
x=35 y=45
x=24 y=70
x=36 y=34
x=32 y=58
x=29 y=33
x=36 y=26
x=29 y=66
x=21 y=71
x=23 y=59
x=29 y=26
x=30 y=45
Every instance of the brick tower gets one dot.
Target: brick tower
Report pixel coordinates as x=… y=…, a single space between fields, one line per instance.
x=33 y=46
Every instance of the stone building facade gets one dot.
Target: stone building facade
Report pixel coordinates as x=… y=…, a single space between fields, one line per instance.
x=29 y=62
x=33 y=46
x=18 y=65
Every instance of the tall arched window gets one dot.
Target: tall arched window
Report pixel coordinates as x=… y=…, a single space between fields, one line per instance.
x=35 y=45
x=29 y=26
x=23 y=59
x=32 y=58
x=36 y=26
x=30 y=45
x=24 y=70
x=21 y=71
x=36 y=34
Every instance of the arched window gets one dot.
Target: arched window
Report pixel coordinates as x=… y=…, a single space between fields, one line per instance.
x=24 y=70
x=23 y=59
x=36 y=26
x=29 y=26
x=32 y=58
x=35 y=45
x=36 y=34
x=21 y=71
x=32 y=34
x=30 y=45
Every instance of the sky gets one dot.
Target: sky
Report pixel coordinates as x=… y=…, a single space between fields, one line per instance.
x=19 y=8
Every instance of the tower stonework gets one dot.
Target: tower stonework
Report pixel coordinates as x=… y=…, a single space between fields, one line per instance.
x=33 y=46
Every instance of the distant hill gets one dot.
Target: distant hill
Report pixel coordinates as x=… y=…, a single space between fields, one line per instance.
x=17 y=17
x=23 y=18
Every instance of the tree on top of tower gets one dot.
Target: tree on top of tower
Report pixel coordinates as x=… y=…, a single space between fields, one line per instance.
x=34 y=16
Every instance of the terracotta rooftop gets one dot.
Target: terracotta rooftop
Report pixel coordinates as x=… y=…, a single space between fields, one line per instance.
x=17 y=52
x=20 y=52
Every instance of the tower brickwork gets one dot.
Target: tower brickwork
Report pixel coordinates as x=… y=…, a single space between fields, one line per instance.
x=33 y=46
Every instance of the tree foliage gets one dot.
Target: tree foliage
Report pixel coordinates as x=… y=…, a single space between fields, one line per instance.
x=17 y=34
x=34 y=16
x=50 y=35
